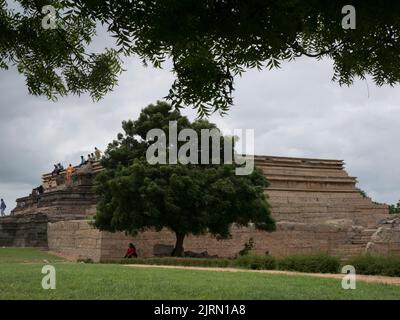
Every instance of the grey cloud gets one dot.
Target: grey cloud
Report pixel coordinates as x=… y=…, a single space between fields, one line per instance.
x=298 y=111
x=295 y=111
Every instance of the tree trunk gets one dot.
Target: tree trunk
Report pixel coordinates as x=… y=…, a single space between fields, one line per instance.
x=178 y=250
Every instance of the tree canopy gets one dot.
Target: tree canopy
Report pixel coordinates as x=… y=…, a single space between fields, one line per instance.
x=188 y=199
x=394 y=208
x=210 y=42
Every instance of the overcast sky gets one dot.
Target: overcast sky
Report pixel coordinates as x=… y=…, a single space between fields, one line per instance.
x=295 y=111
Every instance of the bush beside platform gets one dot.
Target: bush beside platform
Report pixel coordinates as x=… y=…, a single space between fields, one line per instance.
x=318 y=263
x=174 y=261
x=376 y=265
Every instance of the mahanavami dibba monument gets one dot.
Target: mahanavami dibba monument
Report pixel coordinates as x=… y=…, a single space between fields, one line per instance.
x=315 y=203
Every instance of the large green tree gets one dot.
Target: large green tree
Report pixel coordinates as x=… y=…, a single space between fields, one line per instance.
x=208 y=41
x=188 y=199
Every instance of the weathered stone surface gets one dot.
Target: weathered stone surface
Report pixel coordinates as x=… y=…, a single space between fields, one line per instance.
x=386 y=238
x=59 y=201
x=162 y=250
x=29 y=230
x=315 y=203
x=75 y=239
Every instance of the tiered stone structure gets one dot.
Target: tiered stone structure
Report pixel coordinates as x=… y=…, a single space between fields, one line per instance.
x=59 y=200
x=27 y=225
x=315 y=202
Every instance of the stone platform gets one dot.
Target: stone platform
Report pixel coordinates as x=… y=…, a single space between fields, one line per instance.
x=58 y=202
x=315 y=202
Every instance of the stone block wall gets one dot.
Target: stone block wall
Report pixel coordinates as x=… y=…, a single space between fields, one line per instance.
x=80 y=240
x=386 y=239
x=75 y=239
x=315 y=203
x=29 y=230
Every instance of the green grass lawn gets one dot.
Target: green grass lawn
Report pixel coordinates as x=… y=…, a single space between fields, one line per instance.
x=20 y=278
x=26 y=255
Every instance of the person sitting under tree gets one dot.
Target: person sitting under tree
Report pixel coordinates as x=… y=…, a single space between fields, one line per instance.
x=131 y=252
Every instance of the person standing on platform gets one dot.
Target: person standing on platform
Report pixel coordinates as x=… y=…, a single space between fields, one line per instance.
x=97 y=153
x=69 y=172
x=2 y=207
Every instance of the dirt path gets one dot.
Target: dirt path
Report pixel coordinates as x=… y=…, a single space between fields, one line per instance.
x=365 y=278
x=69 y=258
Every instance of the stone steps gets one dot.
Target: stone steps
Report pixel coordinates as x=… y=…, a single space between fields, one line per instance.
x=348 y=250
x=273 y=169
x=314 y=194
x=298 y=163
x=309 y=178
x=312 y=202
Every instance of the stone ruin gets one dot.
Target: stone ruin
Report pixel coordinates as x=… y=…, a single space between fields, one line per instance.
x=27 y=224
x=315 y=203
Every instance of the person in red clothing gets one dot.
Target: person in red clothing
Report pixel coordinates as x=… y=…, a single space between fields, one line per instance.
x=131 y=252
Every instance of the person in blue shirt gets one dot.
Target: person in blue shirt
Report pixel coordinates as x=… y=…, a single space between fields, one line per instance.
x=83 y=161
x=2 y=207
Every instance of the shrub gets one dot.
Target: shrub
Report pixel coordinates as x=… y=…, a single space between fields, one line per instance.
x=255 y=262
x=173 y=261
x=320 y=263
x=85 y=260
x=362 y=192
x=248 y=246
x=376 y=265
x=394 y=209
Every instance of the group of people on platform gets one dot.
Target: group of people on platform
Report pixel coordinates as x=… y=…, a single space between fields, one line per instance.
x=58 y=168
x=95 y=156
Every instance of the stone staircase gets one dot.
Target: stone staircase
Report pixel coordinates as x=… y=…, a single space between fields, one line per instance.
x=348 y=250
x=363 y=237
x=320 y=192
x=356 y=245
x=314 y=188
